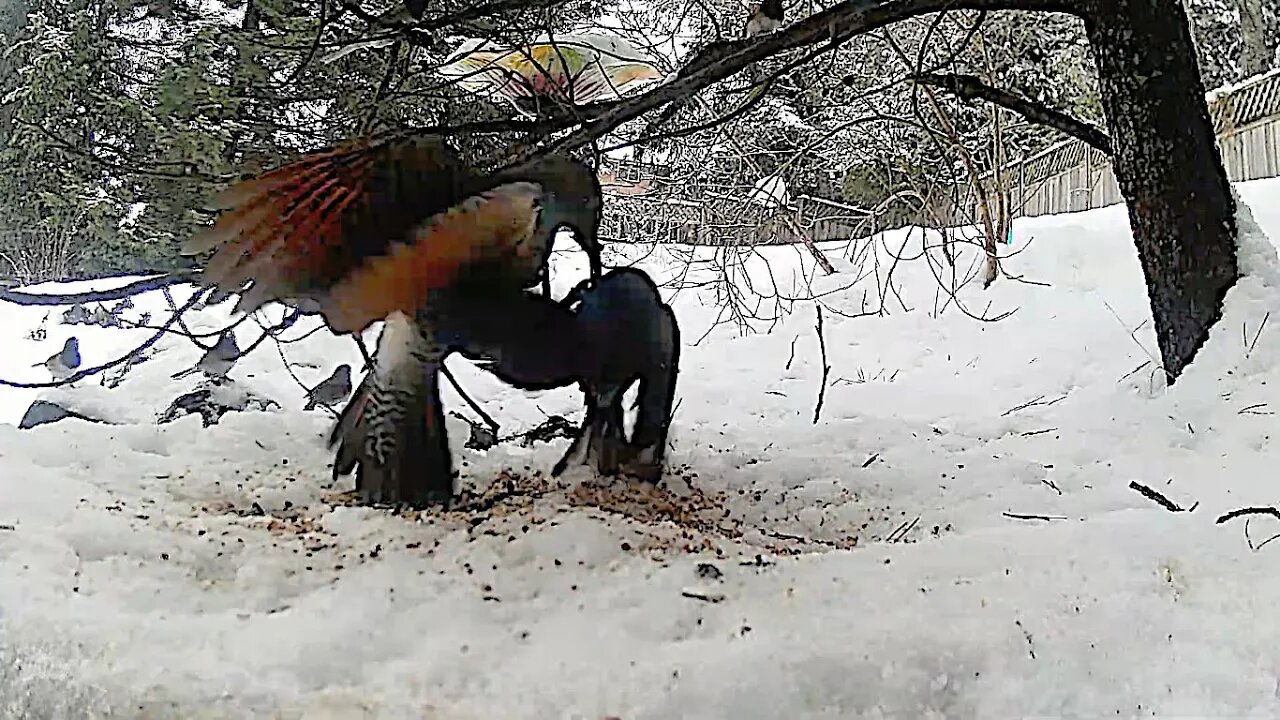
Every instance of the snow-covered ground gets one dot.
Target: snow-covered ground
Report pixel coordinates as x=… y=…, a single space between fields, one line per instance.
x=878 y=563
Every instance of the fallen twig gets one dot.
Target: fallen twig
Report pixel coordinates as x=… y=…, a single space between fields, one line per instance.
x=704 y=595
x=1251 y=345
x=1032 y=403
x=826 y=369
x=1021 y=516
x=1026 y=634
x=1155 y=497
x=901 y=531
x=1273 y=512
x=1032 y=433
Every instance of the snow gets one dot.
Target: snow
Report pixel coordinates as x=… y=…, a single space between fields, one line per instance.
x=769 y=191
x=868 y=566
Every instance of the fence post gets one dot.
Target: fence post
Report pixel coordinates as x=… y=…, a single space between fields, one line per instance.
x=1088 y=178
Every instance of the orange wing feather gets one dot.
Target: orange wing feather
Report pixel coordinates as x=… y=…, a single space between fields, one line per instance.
x=495 y=224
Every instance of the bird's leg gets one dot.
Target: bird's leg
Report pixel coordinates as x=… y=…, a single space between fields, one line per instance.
x=656 y=397
x=581 y=450
x=601 y=440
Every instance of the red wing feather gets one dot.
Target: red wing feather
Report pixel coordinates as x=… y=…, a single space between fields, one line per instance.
x=303 y=227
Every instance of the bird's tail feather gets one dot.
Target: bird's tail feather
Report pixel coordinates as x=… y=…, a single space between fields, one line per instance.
x=392 y=431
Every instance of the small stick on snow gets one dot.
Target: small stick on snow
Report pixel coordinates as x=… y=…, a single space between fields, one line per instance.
x=1155 y=497
x=826 y=369
x=1032 y=433
x=1021 y=516
x=8 y=527
x=705 y=596
x=1032 y=403
x=1257 y=334
x=1134 y=371
x=901 y=532
x=1273 y=512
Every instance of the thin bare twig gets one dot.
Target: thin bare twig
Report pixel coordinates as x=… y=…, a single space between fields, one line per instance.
x=1022 y=516
x=826 y=368
x=1155 y=497
x=1273 y=512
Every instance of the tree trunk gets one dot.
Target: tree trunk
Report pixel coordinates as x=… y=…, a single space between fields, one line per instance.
x=1254 y=56
x=1168 y=167
x=241 y=78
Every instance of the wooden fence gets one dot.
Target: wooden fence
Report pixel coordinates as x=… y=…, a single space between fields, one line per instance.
x=1068 y=177
x=644 y=203
x=1072 y=176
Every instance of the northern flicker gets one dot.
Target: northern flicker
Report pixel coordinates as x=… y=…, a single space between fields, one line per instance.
x=404 y=232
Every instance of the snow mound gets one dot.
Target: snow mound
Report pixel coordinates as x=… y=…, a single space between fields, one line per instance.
x=955 y=534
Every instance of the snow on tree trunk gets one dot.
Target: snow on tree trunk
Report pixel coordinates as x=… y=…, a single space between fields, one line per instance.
x=1254 y=56
x=1168 y=167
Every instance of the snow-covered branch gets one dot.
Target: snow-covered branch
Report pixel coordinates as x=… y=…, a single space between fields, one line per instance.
x=970 y=87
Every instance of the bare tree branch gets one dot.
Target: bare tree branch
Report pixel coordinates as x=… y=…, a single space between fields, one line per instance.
x=835 y=26
x=970 y=87
x=134 y=288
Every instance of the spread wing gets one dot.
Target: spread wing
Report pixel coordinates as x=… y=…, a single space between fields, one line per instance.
x=331 y=216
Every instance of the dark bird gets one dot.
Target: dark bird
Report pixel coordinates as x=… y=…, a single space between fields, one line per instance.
x=764 y=17
x=63 y=364
x=332 y=390
x=77 y=314
x=620 y=333
x=632 y=336
x=218 y=360
x=400 y=231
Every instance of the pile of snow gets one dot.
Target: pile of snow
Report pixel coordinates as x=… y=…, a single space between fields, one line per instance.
x=955 y=536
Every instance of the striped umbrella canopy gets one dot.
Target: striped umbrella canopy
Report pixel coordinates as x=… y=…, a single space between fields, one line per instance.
x=579 y=68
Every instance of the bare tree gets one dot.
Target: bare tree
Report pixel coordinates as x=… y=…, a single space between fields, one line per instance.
x=1166 y=160
x=1254 y=55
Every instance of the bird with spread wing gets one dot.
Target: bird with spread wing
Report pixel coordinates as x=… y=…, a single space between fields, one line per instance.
x=396 y=230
